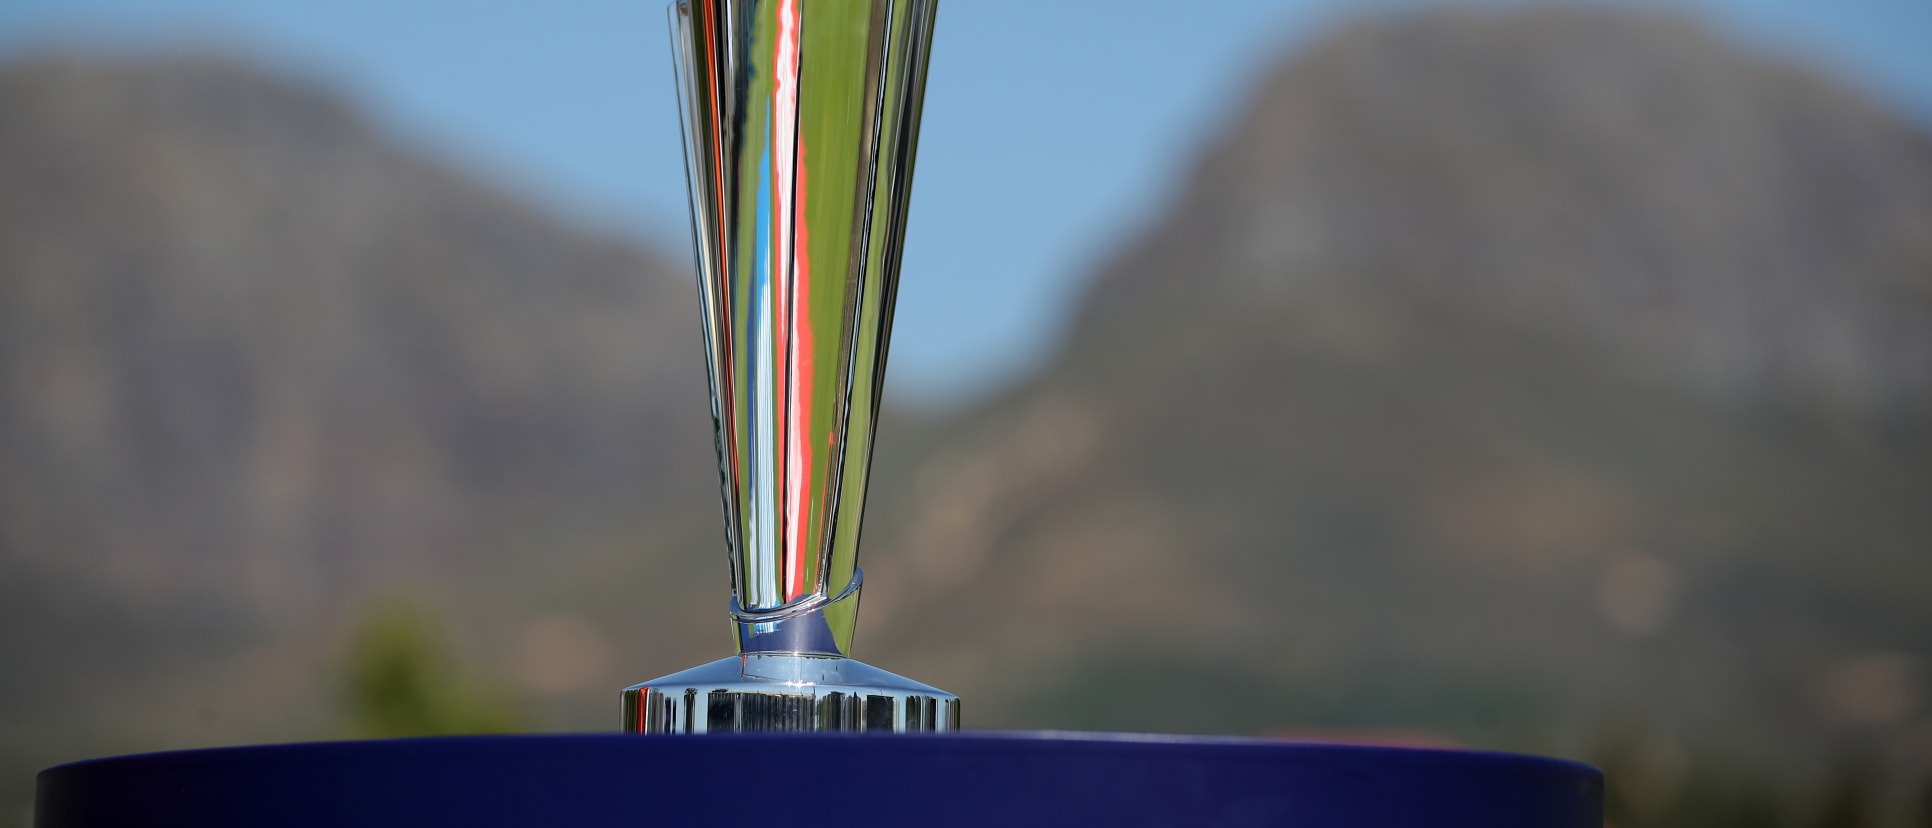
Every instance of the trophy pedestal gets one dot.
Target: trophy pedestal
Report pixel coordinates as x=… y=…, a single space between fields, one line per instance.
x=847 y=780
x=762 y=692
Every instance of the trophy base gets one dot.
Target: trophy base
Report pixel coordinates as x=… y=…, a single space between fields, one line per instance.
x=765 y=692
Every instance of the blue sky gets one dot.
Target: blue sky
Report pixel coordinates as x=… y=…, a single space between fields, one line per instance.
x=1053 y=128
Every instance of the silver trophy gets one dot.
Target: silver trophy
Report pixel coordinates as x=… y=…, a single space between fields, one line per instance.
x=801 y=121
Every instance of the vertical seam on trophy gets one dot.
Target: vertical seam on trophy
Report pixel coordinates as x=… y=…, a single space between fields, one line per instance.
x=782 y=148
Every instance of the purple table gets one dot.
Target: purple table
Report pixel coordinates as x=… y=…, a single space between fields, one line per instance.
x=976 y=779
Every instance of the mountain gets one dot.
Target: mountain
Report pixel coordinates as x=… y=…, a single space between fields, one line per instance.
x=1737 y=225
x=259 y=362
x=1509 y=375
x=1524 y=378
x=243 y=320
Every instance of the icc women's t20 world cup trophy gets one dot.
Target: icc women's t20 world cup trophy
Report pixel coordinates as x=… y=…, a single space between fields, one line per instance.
x=801 y=122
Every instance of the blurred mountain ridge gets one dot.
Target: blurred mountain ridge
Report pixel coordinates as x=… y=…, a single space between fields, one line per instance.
x=228 y=286
x=1498 y=374
x=259 y=361
x=1731 y=222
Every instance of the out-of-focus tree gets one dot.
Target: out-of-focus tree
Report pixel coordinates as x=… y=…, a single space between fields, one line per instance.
x=400 y=677
x=1849 y=798
x=1650 y=784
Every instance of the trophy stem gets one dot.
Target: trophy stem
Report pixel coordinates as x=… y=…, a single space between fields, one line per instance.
x=801 y=124
x=800 y=128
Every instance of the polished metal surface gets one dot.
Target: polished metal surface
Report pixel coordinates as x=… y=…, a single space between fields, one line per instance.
x=801 y=121
x=777 y=692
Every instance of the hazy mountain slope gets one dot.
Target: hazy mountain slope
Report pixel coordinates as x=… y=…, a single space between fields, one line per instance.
x=230 y=300
x=1514 y=374
x=1725 y=220
x=257 y=361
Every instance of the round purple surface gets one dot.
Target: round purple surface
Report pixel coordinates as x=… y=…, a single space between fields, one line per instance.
x=977 y=779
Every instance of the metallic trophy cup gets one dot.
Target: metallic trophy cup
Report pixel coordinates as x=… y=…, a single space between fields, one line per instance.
x=801 y=120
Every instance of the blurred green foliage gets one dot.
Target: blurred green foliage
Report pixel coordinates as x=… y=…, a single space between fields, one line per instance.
x=401 y=677
x=1646 y=786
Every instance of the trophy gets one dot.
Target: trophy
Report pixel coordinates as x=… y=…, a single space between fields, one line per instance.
x=801 y=122
x=801 y=118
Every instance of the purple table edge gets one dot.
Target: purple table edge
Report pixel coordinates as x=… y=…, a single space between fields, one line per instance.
x=970 y=778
